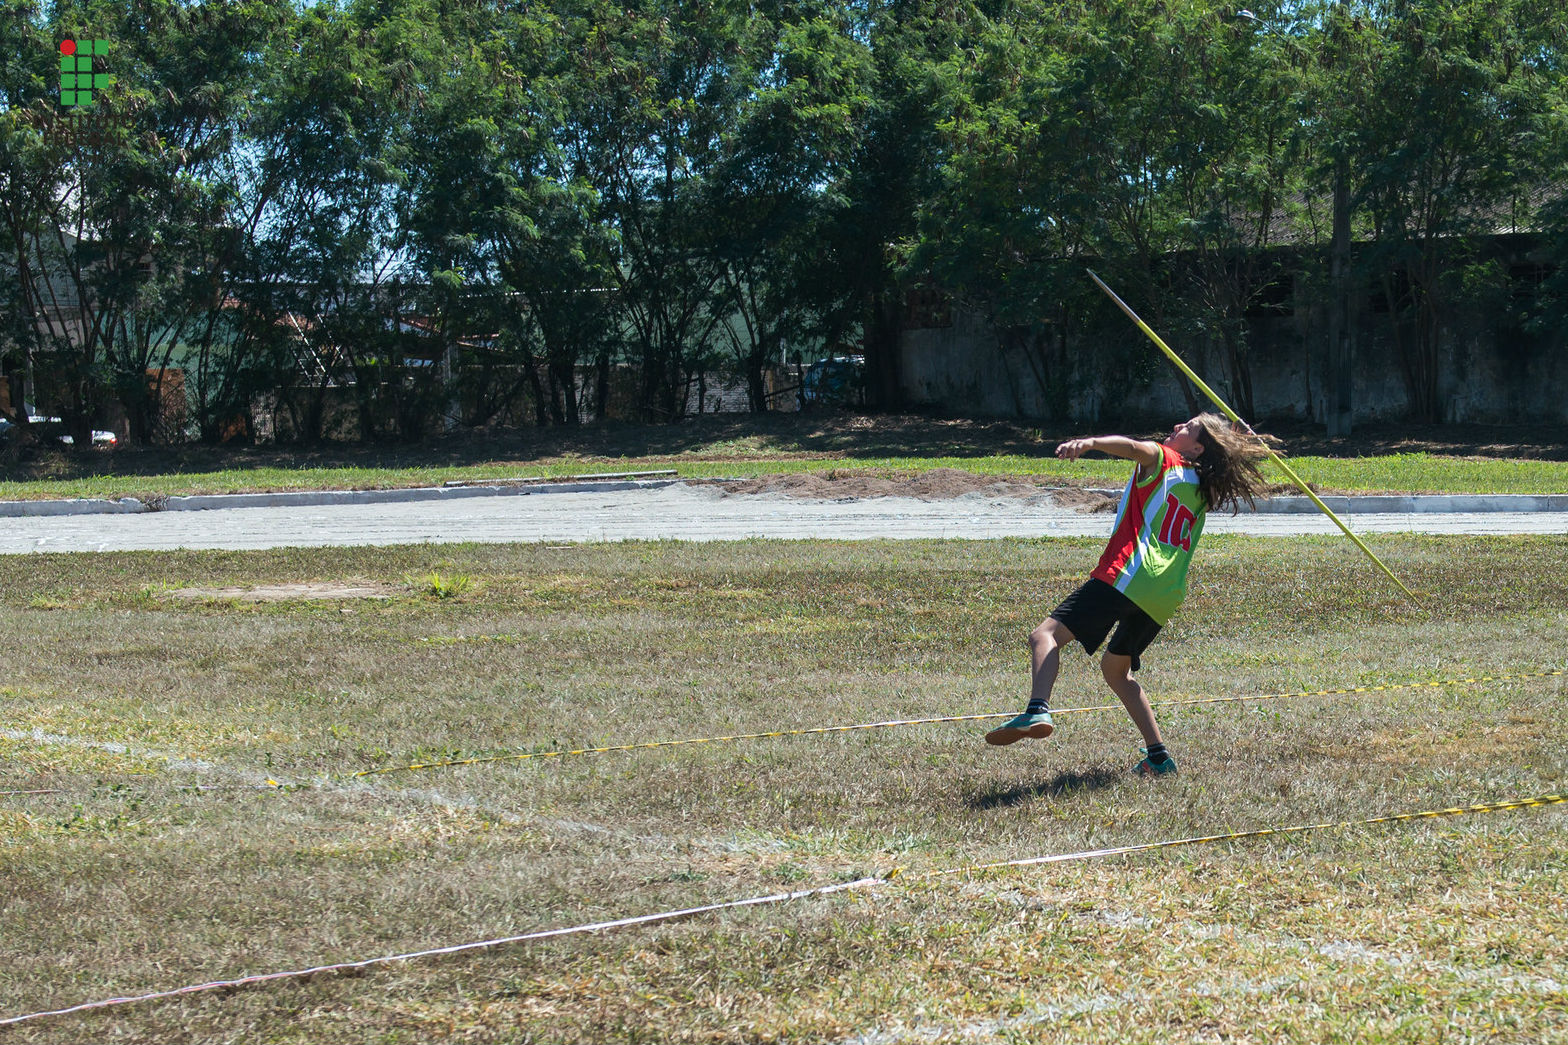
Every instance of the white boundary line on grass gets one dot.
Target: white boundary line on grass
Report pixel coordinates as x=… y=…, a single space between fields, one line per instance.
x=989 y=1029
x=594 y=927
x=325 y=785
x=664 y=916
x=113 y=747
x=1334 y=951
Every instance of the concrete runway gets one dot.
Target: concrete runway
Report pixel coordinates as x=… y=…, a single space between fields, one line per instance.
x=674 y=512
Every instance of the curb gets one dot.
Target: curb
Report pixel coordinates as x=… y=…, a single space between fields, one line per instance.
x=1404 y=504
x=1399 y=504
x=1416 y=504
x=307 y=498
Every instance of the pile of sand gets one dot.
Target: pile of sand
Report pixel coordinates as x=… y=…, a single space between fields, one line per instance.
x=939 y=484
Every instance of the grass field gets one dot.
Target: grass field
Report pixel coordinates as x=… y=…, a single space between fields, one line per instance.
x=1391 y=459
x=156 y=710
x=1401 y=473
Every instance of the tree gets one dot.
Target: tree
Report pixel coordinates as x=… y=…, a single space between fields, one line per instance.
x=773 y=193
x=871 y=250
x=324 y=181
x=661 y=83
x=30 y=178
x=1240 y=109
x=128 y=216
x=553 y=243
x=1442 y=125
x=1152 y=137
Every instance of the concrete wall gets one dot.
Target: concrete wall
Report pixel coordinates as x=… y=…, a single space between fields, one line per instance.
x=968 y=368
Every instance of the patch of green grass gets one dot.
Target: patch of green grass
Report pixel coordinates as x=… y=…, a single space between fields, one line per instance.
x=1393 y=473
x=1397 y=473
x=268 y=480
x=436 y=585
x=1432 y=473
x=132 y=880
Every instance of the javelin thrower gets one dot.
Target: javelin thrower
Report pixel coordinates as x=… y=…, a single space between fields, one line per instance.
x=1141 y=578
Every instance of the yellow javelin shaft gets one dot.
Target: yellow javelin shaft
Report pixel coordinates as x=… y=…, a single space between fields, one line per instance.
x=1174 y=358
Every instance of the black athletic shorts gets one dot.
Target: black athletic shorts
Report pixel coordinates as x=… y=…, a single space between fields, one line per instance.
x=1095 y=608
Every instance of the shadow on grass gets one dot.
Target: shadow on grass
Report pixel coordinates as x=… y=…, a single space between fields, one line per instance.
x=826 y=434
x=1059 y=786
x=816 y=434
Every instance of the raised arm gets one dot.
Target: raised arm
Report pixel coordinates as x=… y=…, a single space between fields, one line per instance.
x=1147 y=454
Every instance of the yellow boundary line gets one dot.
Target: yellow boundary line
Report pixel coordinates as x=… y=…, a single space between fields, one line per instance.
x=648 y=745
x=1429 y=814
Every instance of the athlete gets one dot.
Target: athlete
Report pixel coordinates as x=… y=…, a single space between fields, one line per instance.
x=1141 y=579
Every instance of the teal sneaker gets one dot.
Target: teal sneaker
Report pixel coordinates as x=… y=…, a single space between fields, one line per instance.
x=1147 y=768
x=1026 y=725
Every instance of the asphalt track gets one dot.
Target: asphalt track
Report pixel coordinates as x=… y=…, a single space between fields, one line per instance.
x=672 y=512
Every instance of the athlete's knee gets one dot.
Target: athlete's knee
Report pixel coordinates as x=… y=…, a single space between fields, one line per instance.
x=1116 y=667
x=1048 y=636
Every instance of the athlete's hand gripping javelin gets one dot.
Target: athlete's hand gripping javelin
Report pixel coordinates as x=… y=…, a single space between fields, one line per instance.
x=1074 y=449
x=1139 y=450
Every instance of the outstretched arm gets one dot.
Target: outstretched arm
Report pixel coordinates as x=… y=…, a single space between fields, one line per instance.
x=1146 y=453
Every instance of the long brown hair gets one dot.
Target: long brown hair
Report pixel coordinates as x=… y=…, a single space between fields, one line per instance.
x=1228 y=467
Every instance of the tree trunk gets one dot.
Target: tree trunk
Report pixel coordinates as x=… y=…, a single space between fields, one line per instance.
x=1339 y=398
x=762 y=350
x=602 y=386
x=883 y=391
x=1240 y=369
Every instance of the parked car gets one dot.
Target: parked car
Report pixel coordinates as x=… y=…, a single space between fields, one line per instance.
x=100 y=437
x=834 y=382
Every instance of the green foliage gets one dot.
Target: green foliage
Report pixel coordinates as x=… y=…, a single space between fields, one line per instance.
x=444 y=211
x=1124 y=133
x=1445 y=114
x=436 y=585
x=774 y=195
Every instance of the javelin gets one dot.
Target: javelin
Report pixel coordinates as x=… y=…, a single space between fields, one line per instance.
x=1228 y=412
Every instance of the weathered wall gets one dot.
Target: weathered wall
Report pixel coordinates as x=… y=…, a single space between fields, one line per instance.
x=1487 y=375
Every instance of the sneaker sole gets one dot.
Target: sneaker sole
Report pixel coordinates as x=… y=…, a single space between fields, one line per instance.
x=1011 y=734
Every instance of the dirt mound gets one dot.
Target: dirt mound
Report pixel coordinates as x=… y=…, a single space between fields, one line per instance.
x=939 y=484
x=1085 y=500
x=283 y=592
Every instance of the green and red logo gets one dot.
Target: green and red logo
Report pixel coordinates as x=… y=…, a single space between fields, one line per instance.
x=79 y=80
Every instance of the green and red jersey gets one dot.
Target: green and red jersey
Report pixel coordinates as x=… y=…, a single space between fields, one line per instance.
x=1157 y=524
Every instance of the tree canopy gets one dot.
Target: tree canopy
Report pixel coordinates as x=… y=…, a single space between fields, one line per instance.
x=464 y=209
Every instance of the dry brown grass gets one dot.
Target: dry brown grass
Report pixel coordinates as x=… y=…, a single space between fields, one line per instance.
x=133 y=879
